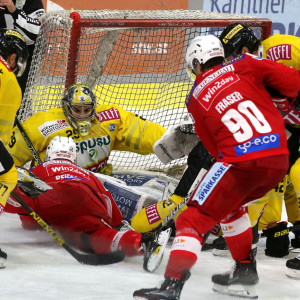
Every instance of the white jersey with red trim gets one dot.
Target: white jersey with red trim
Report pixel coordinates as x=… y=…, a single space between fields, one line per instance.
x=234 y=115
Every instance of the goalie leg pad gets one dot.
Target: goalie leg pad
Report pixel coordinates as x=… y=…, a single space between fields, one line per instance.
x=126 y=199
x=151 y=216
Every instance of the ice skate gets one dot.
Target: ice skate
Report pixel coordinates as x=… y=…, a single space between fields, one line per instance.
x=170 y=289
x=154 y=249
x=293 y=268
x=3 y=257
x=240 y=281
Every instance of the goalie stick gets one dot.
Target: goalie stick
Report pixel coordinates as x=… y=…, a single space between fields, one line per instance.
x=88 y=259
x=105 y=48
x=28 y=141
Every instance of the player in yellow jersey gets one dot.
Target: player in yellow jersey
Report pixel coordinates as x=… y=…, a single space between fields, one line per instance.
x=13 y=57
x=97 y=130
x=282 y=48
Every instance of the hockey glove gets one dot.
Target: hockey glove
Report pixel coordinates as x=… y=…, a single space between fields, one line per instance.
x=151 y=216
x=277 y=244
x=296 y=241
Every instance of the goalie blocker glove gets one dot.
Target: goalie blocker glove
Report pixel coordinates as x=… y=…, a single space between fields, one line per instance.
x=277 y=243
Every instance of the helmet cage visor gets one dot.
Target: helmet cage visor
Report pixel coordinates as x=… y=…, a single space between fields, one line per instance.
x=79 y=104
x=21 y=66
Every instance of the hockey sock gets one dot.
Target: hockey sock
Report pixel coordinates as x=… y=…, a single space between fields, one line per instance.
x=238 y=235
x=107 y=240
x=183 y=255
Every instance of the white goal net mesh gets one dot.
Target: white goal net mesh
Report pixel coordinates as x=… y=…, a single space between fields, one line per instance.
x=134 y=59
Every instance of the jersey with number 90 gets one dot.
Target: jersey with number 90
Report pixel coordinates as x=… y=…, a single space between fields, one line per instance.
x=234 y=115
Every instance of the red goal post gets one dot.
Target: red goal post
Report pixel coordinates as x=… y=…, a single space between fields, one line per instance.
x=134 y=59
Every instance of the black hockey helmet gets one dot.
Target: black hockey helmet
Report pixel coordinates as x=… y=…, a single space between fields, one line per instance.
x=237 y=35
x=11 y=41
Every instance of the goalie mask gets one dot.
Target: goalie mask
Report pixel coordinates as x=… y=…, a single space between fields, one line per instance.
x=11 y=41
x=61 y=147
x=79 y=106
x=235 y=36
x=202 y=49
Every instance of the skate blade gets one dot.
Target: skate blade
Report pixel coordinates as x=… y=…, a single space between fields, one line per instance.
x=294 y=250
x=156 y=257
x=241 y=291
x=2 y=263
x=222 y=253
x=292 y=273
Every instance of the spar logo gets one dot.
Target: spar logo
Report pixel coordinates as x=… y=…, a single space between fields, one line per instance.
x=210 y=181
x=257 y=144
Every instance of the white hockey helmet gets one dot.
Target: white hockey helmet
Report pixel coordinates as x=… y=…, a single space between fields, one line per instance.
x=61 y=147
x=202 y=49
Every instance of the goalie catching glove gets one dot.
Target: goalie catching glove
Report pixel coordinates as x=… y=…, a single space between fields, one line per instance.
x=176 y=142
x=151 y=217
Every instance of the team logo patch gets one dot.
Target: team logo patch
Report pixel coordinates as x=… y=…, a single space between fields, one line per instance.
x=209 y=182
x=152 y=214
x=239 y=57
x=268 y=141
x=211 y=85
x=109 y=114
x=111 y=127
x=232 y=33
x=16 y=34
x=278 y=52
x=53 y=126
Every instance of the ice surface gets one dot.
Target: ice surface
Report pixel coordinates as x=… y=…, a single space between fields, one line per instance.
x=38 y=268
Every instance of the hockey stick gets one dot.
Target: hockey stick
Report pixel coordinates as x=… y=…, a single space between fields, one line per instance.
x=28 y=141
x=88 y=259
x=173 y=213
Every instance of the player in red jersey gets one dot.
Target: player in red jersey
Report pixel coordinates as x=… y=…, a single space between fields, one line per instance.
x=239 y=125
x=80 y=208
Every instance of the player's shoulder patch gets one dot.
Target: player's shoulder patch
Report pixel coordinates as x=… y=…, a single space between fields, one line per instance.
x=108 y=114
x=235 y=59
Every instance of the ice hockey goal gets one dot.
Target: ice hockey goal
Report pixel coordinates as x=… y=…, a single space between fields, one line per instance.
x=134 y=59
